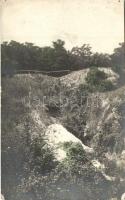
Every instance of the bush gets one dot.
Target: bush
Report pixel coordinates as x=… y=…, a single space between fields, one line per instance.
x=75 y=151
x=97 y=81
x=106 y=85
x=94 y=76
x=41 y=158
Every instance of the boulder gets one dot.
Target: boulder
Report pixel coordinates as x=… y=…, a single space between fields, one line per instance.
x=123 y=196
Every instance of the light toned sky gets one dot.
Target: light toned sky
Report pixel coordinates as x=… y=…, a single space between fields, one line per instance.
x=97 y=22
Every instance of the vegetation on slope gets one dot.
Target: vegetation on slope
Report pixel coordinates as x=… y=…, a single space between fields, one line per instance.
x=30 y=103
x=29 y=168
x=97 y=81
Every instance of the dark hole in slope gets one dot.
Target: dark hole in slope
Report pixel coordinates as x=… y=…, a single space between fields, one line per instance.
x=53 y=110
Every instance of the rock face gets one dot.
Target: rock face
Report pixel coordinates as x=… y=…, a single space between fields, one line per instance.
x=56 y=135
x=2 y=197
x=123 y=196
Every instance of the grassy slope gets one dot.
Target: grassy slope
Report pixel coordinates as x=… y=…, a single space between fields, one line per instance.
x=30 y=103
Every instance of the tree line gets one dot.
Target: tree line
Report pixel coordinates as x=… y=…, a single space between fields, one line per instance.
x=27 y=56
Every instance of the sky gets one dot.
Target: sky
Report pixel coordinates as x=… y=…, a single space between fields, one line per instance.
x=99 y=23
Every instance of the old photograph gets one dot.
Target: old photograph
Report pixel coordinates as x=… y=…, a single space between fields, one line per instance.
x=62 y=100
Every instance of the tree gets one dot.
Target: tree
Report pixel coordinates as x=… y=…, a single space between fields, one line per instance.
x=7 y=63
x=118 y=58
x=101 y=60
x=61 y=57
x=81 y=55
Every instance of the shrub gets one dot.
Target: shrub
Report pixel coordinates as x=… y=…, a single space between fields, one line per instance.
x=105 y=85
x=94 y=76
x=74 y=151
x=41 y=158
x=97 y=81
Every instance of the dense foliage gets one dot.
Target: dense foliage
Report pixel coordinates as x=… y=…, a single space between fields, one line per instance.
x=27 y=56
x=97 y=81
x=118 y=58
